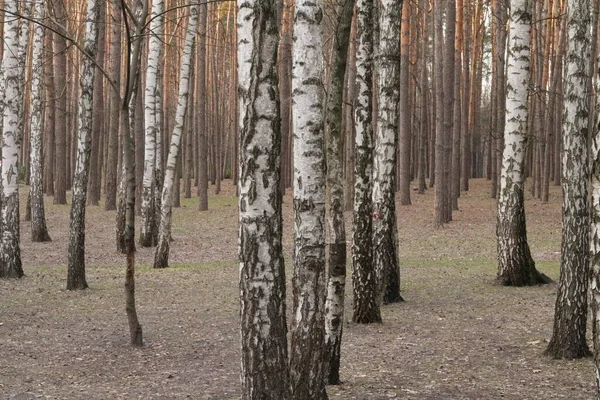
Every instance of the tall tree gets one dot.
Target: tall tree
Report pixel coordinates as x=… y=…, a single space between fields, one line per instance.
x=595 y=254
x=307 y=372
x=153 y=104
x=364 y=283
x=161 y=256
x=201 y=99
x=334 y=134
x=441 y=199
x=570 y=318
x=405 y=112
x=262 y=274
x=60 y=79
x=39 y=230
x=76 y=263
x=10 y=260
x=515 y=264
x=385 y=235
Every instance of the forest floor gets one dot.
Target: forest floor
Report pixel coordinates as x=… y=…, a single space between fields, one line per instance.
x=456 y=337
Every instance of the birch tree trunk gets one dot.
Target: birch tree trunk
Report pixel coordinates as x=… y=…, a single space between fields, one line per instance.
x=568 y=338
x=161 y=256
x=515 y=264
x=385 y=240
x=39 y=230
x=334 y=134
x=10 y=259
x=364 y=283
x=152 y=120
x=595 y=255
x=307 y=372
x=265 y=372
x=76 y=263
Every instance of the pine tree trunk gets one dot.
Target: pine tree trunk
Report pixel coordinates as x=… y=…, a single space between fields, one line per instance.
x=568 y=338
x=50 y=116
x=334 y=134
x=76 y=263
x=39 y=231
x=201 y=99
x=516 y=266
x=113 y=172
x=364 y=284
x=60 y=76
x=439 y=95
x=449 y=96
x=153 y=125
x=307 y=369
x=385 y=235
x=161 y=256
x=262 y=273
x=405 y=128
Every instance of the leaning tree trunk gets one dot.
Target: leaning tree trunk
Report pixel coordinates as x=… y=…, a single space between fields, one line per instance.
x=334 y=133
x=161 y=256
x=568 y=337
x=76 y=264
x=153 y=124
x=307 y=372
x=265 y=372
x=515 y=264
x=385 y=239
x=10 y=258
x=39 y=230
x=364 y=284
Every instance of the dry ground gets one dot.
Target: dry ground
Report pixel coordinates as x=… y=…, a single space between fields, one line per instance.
x=456 y=336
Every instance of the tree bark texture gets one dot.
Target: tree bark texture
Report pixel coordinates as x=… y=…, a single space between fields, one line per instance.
x=307 y=372
x=385 y=235
x=568 y=338
x=364 y=282
x=334 y=134
x=60 y=76
x=405 y=128
x=515 y=264
x=265 y=372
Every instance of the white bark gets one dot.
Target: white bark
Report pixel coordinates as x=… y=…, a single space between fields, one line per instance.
x=39 y=231
x=307 y=373
x=262 y=274
x=161 y=256
x=387 y=62
x=76 y=263
x=10 y=262
x=153 y=123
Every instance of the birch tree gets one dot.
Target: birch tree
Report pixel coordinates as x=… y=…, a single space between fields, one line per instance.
x=334 y=304
x=161 y=256
x=515 y=264
x=366 y=307
x=595 y=254
x=385 y=241
x=148 y=224
x=262 y=274
x=39 y=230
x=76 y=263
x=307 y=372
x=570 y=318
x=10 y=259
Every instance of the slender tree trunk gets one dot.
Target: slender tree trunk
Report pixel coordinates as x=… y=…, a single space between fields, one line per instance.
x=161 y=256
x=76 y=263
x=202 y=126
x=568 y=338
x=449 y=96
x=39 y=231
x=98 y=119
x=152 y=121
x=438 y=71
x=115 y=105
x=334 y=134
x=364 y=283
x=405 y=128
x=60 y=79
x=307 y=369
x=50 y=116
x=265 y=372
x=516 y=266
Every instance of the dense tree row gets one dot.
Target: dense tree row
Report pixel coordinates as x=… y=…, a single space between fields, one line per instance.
x=347 y=102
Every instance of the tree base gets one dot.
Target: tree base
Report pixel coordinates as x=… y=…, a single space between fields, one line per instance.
x=534 y=279
x=558 y=351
